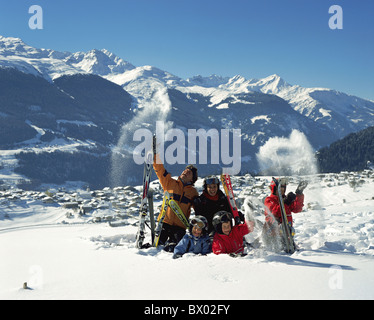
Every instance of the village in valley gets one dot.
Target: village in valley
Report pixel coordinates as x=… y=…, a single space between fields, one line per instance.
x=119 y=206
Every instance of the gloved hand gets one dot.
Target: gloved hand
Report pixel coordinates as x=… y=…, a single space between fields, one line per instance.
x=237 y=221
x=197 y=202
x=240 y=219
x=302 y=185
x=241 y=216
x=290 y=198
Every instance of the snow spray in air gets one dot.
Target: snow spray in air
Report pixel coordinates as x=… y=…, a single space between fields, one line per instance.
x=155 y=108
x=287 y=156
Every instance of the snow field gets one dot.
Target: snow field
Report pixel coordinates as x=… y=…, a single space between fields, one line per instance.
x=79 y=259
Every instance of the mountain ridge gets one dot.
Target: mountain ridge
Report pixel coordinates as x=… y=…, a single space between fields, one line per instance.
x=318 y=104
x=261 y=108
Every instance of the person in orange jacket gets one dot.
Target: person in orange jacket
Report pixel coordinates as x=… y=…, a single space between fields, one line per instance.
x=182 y=190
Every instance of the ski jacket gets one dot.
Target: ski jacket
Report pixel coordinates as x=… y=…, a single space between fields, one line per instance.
x=183 y=194
x=190 y=243
x=233 y=243
x=272 y=208
x=207 y=206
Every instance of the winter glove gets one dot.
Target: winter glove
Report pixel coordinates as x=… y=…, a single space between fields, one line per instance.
x=240 y=219
x=290 y=198
x=211 y=236
x=197 y=202
x=300 y=188
x=237 y=221
x=241 y=216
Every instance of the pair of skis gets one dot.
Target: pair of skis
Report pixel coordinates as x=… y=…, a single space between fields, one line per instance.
x=168 y=202
x=227 y=186
x=286 y=227
x=229 y=191
x=164 y=207
x=147 y=199
x=286 y=230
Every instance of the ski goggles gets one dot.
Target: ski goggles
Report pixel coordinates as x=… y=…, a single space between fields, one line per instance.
x=212 y=180
x=198 y=223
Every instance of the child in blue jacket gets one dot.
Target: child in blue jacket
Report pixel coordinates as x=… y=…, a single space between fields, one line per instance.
x=196 y=240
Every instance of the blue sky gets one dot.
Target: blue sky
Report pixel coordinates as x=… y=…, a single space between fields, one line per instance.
x=255 y=39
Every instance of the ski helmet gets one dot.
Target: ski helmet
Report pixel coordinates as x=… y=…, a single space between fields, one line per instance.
x=219 y=218
x=199 y=221
x=211 y=180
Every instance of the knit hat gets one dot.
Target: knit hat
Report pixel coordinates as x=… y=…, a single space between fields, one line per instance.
x=194 y=172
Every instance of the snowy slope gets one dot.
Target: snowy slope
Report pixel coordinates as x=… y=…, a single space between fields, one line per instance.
x=63 y=255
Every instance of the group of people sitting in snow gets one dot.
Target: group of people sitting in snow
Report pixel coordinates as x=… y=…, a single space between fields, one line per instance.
x=213 y=228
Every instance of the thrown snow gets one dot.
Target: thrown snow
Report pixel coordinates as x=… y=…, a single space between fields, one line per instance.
x=288 y=154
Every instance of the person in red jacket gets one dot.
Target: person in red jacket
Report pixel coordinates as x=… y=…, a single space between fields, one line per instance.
x=292 y=203
x=228 y=238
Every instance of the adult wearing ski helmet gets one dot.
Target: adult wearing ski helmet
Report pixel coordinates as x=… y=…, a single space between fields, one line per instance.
x=211 y=201
x=228 y=238
x=182 y=190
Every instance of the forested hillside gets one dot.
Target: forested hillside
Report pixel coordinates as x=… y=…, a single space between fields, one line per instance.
x=348 y=154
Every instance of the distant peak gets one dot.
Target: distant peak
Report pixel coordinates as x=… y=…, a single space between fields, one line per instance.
x=10 y=39
x=210 y=81
x=11 y=43
x=272 y=84
x=273 y=78
x=237 y=78
x=2 y=38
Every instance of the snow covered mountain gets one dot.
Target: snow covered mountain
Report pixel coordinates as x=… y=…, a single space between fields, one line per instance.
x=341 y=112
x=81 y=114
x=52 y=64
